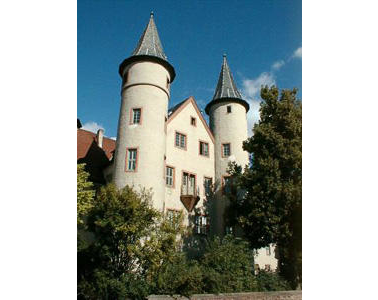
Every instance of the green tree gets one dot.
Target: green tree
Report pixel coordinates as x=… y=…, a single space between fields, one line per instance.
x=271 y=281
x=270 y=211
x=227 y=266
x=131 y=243
x=85 y=194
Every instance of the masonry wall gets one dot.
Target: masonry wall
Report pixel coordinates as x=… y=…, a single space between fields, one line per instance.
x=284 y=295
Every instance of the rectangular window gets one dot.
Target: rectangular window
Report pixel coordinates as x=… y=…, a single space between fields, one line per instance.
x=168 y=83
x=170 y=176
x=131 y=160
x=226 y=150
x=136 y=116
x=193 y=121
x=204 y=148
x=207 y=183
x=267 y=250
x=201 y=225
x=188 y=184
x=173 y=216
x=229 y=109
x=180 y=140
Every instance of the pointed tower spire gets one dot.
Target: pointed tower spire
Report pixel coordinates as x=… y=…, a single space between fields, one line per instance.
x=149 y=48
x=149 y=43
x=226 y=89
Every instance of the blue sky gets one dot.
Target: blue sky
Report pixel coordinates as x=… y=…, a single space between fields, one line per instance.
x=262 y=39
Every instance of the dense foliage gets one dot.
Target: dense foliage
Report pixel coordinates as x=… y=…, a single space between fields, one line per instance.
x=130 y=240
x=130 y=250
x=271 y=209
x=85 y=194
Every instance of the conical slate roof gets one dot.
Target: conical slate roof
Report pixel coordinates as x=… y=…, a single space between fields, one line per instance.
x=149 y=43
x=226 y=89
x=149 y=48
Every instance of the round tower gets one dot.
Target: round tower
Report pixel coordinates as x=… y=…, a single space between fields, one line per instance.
x=228 y=122
x=139 y=159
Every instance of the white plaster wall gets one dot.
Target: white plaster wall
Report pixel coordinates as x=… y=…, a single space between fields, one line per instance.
x=227 y=128
x=262 y=259
x=187 y=160
x=146 y=88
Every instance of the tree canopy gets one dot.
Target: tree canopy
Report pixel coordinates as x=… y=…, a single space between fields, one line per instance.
x=270 y=210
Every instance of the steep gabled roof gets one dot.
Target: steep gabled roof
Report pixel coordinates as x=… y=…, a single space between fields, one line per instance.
x=226 y=89
x=174 y=111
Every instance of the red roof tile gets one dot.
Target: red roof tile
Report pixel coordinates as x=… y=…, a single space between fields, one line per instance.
x=85 y=139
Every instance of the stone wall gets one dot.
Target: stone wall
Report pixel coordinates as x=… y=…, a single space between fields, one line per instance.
x=284 y=295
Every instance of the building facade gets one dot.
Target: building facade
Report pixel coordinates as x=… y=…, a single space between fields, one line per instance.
x=174 y=152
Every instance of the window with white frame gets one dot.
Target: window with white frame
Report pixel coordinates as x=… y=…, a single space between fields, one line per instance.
x=180 y=140
x=173 y=216
x=131 y=159
x=226 y=151
x=137 y=113
x=204 y=148
x=201 y=225
x=169 y=177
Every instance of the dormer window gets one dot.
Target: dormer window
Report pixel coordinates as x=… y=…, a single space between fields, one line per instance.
x=228 y=109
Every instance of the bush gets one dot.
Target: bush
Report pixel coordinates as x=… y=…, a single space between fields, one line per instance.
x=271 y=281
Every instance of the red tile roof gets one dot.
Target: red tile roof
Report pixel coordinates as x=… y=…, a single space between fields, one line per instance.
x=94 y=157
x=85 y=139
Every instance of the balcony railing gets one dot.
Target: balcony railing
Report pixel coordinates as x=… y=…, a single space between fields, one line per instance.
x=187 y=190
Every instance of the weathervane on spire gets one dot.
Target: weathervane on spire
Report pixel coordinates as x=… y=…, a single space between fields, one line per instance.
x=151 y=14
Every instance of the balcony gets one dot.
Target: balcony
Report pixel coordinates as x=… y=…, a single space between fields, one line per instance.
x=189 y=196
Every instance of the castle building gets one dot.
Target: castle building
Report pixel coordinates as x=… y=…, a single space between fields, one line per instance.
x=173 y=151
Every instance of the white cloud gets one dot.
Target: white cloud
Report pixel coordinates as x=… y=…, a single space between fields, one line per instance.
x=251 y=92
x=92 y=126
x=251 y=87
x=278 y=64
x=298 y=53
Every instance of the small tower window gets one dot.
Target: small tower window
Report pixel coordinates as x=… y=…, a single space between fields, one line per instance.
x=226 y=150
x=136 y=116
x=228 y=109
x=193 y=121
x=131 y=163
x=168 y=83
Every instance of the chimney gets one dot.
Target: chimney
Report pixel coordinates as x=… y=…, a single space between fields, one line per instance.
x=100 y=137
